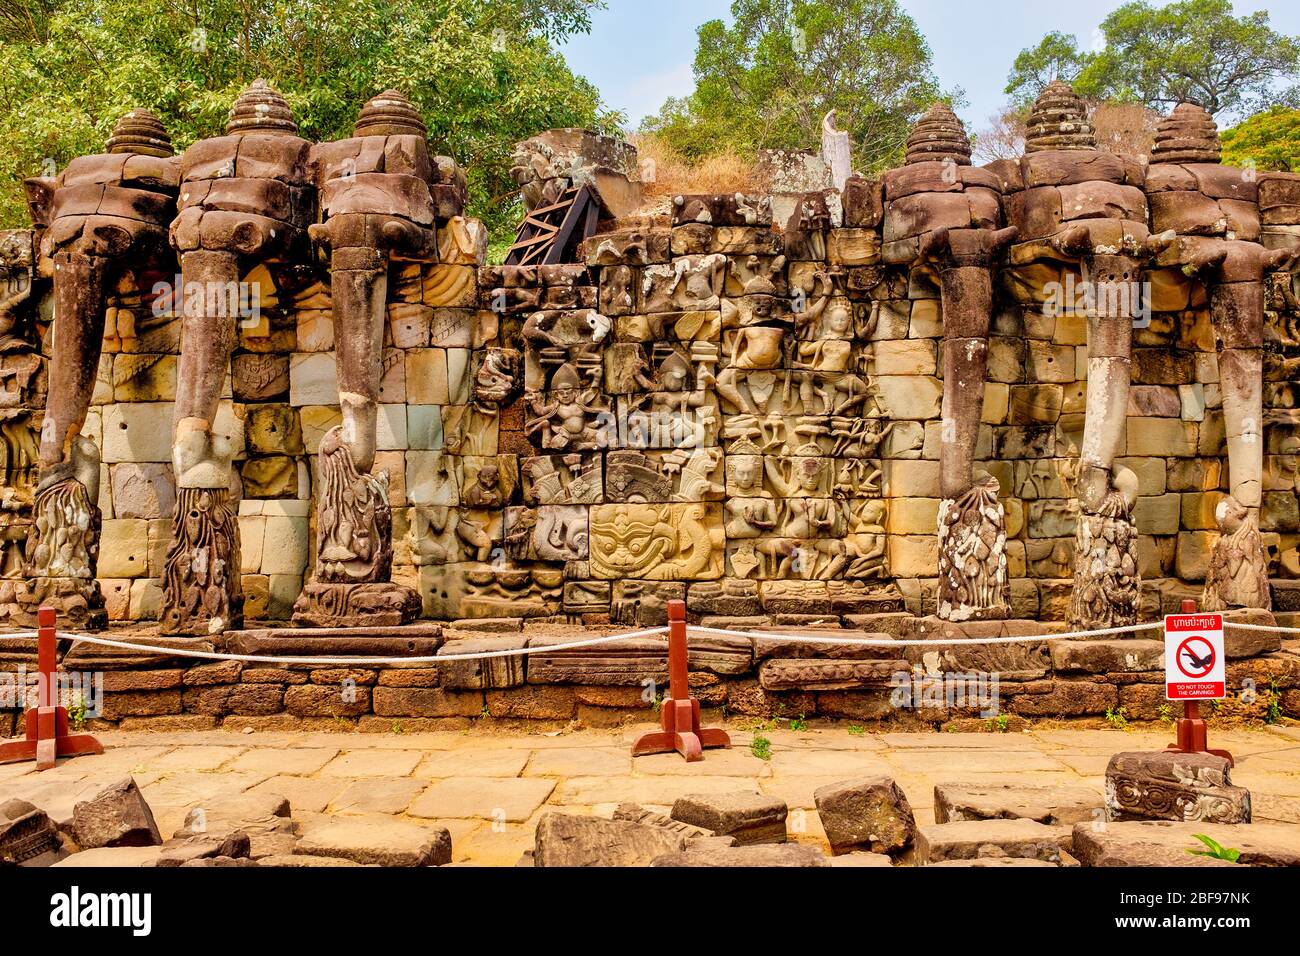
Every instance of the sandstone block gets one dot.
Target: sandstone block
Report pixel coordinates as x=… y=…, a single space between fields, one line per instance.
x=749 y=817
x=568 y=840
x=870 y=813
x=117 y=816
x=1016 y=838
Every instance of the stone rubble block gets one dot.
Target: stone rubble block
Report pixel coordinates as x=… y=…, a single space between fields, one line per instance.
x=382 y=842
x=1055 y=806
x=749 y=817
x=28 y=837
x=970 y=839
x=182 y=852
x=256 y=814
x=867 y=813
x=1166 y=843
x=569 y=840
x=117 y=816
x=784 y=854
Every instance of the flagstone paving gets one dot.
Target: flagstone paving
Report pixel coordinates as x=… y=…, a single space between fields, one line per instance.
x=489 y=788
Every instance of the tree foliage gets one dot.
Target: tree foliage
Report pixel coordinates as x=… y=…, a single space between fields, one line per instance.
x=1269 y=140
x=483 y=73
x=1192 y=51
x=767 y=80
x=1057 y=57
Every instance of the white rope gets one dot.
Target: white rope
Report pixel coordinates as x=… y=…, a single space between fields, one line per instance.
x=630 y=635
x=352 y=661
x=923 y=642
x=1262 y=627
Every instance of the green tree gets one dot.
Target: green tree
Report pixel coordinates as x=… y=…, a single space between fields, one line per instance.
x=484 y=75
x=1270 y=140
x=1193 y=51
x=767 y=80
x=1057 y=57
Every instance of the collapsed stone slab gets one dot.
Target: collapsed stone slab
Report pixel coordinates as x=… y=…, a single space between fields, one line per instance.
x=969 y=839
x=870 y=812
x=786 y=854
x=1166 y=843
x=382 y=842
x=117 y=816
x=749 y=817
x=568 y=840
x=954 y=803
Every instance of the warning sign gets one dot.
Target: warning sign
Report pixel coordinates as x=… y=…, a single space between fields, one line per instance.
x=1194 y=657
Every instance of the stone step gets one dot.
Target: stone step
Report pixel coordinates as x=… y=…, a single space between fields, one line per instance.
x=970 y=839
x=1054 y=806
x=1165 y=843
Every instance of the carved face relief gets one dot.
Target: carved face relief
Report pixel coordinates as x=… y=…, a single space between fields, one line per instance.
x=632 y=541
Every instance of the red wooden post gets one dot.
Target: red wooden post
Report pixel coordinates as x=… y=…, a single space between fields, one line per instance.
x=47 y=736
x=1191 y=728
x=680 y=714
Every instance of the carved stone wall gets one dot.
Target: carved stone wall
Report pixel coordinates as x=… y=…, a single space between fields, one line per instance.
x=711 y=405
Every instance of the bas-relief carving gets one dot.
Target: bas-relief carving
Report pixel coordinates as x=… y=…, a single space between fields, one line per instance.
x=669 y=542
x=665 y=413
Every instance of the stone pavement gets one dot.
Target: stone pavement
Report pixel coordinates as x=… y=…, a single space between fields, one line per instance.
x=489 y=789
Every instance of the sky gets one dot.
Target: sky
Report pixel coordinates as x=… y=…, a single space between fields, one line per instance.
x=640 y=51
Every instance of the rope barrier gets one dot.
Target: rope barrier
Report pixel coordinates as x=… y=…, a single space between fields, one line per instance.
x=1278 y=628
x=325 y=660
x=355 y=660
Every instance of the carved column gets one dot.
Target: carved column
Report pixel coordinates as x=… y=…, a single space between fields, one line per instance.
x=371 y=215
x=1213 y=210
x=1105 y=542
x=1082 y=214
x=1238 y=571
x=201 y=585
x=260 y=164
x=943 y=215
x=132 y=188
x=973 y=579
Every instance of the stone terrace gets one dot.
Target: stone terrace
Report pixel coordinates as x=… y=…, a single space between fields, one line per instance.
x=489 y=790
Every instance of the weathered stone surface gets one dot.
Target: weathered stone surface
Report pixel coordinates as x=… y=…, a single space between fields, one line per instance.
x=117 y=816
x=786 y=854
x=180 y=852
x=871 y=813
x=1164 y=785
x=1055 y=806
x=1108 y=656
x=259 y=815
x=1165 y=843
x=382 y=842
x=113 y=856
x=821 y=674
x=568 y=840
x=1000 y=837
x=27 y=835
x=638 y=814
x=749 y=817
x=292 y=861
